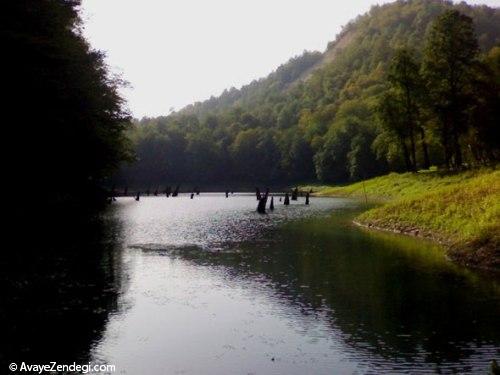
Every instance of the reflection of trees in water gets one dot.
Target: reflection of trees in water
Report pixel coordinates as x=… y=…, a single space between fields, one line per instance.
x=59 y=284
x=380 y=291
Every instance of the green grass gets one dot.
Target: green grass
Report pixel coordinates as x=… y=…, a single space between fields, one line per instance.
x=460 y=209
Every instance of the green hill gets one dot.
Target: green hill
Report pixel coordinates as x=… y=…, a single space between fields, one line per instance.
x=315 y=117
x=365 y=45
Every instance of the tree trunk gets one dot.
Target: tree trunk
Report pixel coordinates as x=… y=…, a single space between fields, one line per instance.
x=406 y=155
x=411 y=126
x=413 y=152
x=425 y=151
x=445 y=142
x=457 y=150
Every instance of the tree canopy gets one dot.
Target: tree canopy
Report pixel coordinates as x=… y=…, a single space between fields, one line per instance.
x=378 y=99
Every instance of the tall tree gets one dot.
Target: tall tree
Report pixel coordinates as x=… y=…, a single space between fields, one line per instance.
x=406 y=83
x=484 y=116
x=390 y=115
x=449 y=58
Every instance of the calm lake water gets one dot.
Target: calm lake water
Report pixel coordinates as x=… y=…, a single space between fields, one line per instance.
x=208 y=286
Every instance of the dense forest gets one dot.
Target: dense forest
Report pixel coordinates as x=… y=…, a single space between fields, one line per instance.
x=409 y=85
x=65 y=120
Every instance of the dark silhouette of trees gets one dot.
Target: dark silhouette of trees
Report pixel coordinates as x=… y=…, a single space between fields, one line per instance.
x=406 y=82
x=391 y=117
x=484 y=114
x=66 y=118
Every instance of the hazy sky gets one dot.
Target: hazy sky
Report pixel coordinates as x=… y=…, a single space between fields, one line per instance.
x=176 y=52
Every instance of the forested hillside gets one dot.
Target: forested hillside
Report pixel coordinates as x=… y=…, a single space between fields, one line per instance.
x=408 y=85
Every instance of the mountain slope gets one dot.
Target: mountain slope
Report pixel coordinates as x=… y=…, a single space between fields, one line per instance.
x=313 y=118
x=391 y=25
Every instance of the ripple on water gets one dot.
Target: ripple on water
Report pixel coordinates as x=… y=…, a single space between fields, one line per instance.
x=217 y=288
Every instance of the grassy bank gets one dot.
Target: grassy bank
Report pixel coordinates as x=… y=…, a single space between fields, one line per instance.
x=461 y=210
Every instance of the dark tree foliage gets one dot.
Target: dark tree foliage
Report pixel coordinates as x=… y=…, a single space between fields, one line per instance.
x=450 y=56
x=65 y=118
x=483 y=117
x=391 y=115
x=406 y=83
x=363 y=107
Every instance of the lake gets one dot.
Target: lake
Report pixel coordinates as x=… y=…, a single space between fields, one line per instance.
x=209 y=286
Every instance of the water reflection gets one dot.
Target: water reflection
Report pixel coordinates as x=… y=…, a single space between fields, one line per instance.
x=215 y=287
x=59 y=284
x=209 y=286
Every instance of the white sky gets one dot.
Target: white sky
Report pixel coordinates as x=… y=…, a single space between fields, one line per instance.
x=176 y=52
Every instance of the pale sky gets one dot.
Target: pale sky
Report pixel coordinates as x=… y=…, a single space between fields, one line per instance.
x=174 y=53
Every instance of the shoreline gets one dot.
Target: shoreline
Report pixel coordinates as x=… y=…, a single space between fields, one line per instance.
x=454 y=253
x=457 y=211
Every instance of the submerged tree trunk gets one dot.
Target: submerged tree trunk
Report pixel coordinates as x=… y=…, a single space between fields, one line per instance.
x=257 y=193
x=287 y=200
x=261 y=207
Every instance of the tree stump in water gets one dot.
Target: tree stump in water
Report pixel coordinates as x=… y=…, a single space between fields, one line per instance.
x=261 y=207
x=271 y=205
x=257 y=193
x=138 y=196
x=112 y=195
x=227 y=193
x=192 y=195
x=287 y=200
x=176 y=191
x=295 y=193
x=307 y=198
